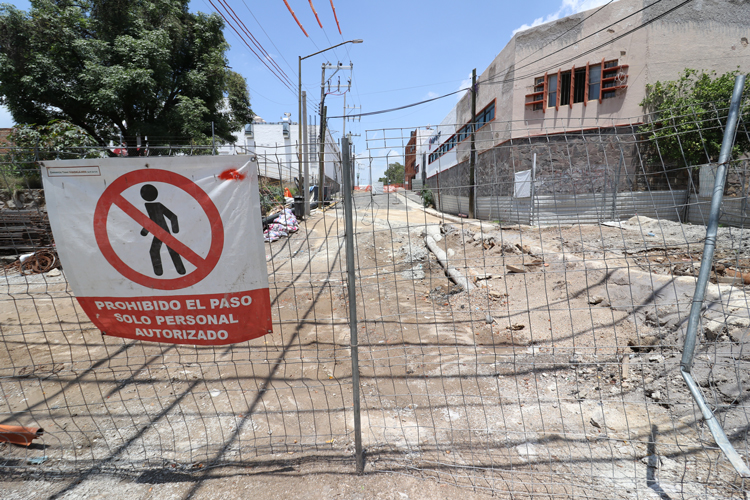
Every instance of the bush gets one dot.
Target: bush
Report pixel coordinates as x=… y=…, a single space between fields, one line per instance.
x=427 y=199
x=271 y=195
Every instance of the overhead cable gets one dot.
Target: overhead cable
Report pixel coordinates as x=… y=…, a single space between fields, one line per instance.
x=334 y=16
x=316 y=14
x=242 y=38
x=295 y=18
x=492 y=80
x=255 y=41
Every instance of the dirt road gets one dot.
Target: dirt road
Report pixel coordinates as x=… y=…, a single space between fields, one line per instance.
x=556 y=376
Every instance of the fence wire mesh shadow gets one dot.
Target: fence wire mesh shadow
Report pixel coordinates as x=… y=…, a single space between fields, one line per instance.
x=555 y=374
x=138 y=408
x=559 y=373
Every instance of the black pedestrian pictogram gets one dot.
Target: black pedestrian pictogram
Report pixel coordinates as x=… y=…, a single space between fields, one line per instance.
x=159 y=214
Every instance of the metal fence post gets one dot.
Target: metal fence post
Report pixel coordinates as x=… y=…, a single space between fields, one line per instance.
x=688 y=351
x=351 y=285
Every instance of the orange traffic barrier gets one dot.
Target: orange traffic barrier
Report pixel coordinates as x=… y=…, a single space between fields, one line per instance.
x=17 y=434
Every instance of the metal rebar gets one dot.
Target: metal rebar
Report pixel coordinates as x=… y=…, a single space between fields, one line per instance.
x=688 y=351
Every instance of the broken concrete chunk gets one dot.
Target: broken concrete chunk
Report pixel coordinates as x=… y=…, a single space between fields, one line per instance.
x=625 y=368
x=508 y=248
x=738 y=321
x=596 y=299
x=712 y=329
x=524 y=248
x=515 y=269
x=645 y=344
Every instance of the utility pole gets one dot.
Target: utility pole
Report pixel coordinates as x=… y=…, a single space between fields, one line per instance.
x=323 y=112
x=322 y=156
x=322 y=151
x=473 y=152
x=322 y=94
x=305 y=153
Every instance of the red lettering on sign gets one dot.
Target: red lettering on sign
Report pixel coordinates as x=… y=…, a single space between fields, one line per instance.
x=206 y=319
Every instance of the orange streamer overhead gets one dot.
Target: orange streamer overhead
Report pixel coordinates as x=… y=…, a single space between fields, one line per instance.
x=316 y=14
x=334 y=16
x=295 y=18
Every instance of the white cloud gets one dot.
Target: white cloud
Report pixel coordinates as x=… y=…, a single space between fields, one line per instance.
x=6 y=121
x=431 y=95
x=465 y=84
x=567 y=8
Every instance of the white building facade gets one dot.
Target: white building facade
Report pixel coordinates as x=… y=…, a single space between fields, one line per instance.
x=275 y=145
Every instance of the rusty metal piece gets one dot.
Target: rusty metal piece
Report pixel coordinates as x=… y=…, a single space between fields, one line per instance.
x=41 y=262
x=20 y=435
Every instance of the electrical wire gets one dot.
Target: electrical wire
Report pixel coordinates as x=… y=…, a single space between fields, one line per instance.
x=255 y=40
x=335 y=17
x=560 y=63
x=314 y=101
x=316 y=14
x=295 y=18
x=281 y=79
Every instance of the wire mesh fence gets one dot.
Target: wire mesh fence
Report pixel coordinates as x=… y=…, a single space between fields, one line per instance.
x=531 y=352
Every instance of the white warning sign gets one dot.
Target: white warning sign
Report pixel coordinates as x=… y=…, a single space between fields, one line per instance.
x=163 y=249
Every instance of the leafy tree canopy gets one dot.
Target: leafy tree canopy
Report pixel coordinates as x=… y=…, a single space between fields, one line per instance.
x=135 y=68
x=394 y=174
x=689 y=114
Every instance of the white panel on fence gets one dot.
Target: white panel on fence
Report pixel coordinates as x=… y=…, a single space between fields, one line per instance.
x=416 y=185
x=522 y=185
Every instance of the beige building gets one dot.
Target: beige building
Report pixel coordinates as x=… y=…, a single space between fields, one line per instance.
x=586 y=72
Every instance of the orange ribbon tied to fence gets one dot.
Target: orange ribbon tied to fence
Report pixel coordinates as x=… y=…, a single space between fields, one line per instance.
x=17 y=434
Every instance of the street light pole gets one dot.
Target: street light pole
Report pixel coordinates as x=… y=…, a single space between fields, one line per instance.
x=299 y=126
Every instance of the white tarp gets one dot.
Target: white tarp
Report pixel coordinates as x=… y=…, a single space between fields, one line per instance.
x=163 y=249
x=522 y=186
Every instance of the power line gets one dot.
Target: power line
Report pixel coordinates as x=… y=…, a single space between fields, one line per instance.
x=254 y=40
x=294 y=73
x=492 y=80
x=242 y=38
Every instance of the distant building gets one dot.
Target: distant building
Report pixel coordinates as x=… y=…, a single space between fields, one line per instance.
x=275 y=145
x=413 y=162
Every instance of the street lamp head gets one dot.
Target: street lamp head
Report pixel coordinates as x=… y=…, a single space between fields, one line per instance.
x=357 y=41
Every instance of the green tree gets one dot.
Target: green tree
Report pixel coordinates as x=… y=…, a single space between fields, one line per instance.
x=115 y=67
x=394 y=174
x=688 y=116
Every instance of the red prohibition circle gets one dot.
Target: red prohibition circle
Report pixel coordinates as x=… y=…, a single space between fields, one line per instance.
x=113 y=196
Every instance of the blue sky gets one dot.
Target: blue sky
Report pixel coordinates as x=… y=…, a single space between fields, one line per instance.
x=412 y=51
